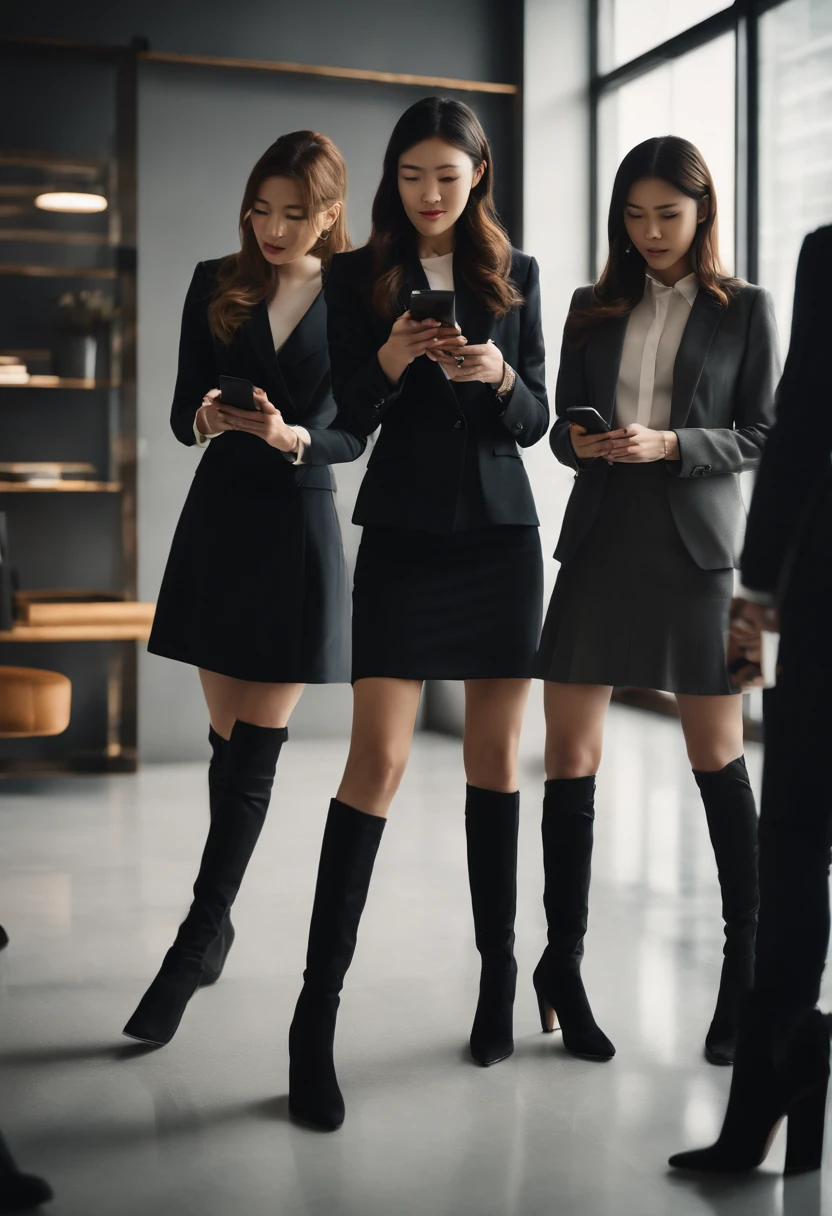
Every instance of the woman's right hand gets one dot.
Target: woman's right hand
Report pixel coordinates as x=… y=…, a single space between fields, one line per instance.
x=587 y=445
x=409 y=339
x=209 y=421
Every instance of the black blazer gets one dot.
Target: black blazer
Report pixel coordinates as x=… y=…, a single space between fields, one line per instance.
x=296 y=381
x=722 y=406
x=437 y=439
x=797 y=462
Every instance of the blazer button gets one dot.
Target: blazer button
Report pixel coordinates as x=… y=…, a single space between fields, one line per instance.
x=518 y=426
x=458 y=426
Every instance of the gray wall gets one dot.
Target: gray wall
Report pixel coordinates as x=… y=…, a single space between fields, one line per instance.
x=200 y=130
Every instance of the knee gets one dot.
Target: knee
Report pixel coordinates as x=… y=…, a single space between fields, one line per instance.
x=378 y=772
x=573 y=758
x=491 y=764
x=709 y=759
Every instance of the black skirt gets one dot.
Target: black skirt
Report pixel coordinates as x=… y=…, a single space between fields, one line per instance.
x=462 y=607
x=632 y=608
x=256 y=585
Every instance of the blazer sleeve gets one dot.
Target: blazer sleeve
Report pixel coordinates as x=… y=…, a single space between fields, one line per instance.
x=797 y=456
x=362 y=392
x=526 y=416
x=339 y=443
x=737 y=449
x=196 y=374
x=571 y=389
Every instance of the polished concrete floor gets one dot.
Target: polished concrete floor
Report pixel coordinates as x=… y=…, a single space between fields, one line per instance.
x=94 y=876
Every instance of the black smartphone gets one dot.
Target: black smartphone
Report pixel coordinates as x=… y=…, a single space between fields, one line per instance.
x=589 y=419
x=236 y=392
x=437 y=305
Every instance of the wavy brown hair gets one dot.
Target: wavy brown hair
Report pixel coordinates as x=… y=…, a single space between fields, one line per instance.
x=246 y=278
x=483 y=251
x=621 y=285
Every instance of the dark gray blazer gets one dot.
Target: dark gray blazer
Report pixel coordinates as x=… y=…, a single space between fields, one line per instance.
x=722 y=406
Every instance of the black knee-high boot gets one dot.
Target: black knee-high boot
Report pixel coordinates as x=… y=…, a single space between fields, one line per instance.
x=19 y=1192
x=568 y=821
x=348 y=853
x=218 y=952
x=732 y=824
x=249 y=762
x=491 y=823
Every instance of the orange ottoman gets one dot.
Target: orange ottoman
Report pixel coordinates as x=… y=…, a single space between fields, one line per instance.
x=33 y=702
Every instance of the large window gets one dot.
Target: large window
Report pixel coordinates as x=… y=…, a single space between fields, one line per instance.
x=751 y=85
x=670 y=100
x=795 y=139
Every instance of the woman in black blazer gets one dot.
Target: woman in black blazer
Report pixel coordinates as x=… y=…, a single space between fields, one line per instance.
x=448 y=582
x=255 y=593
x=681 y=361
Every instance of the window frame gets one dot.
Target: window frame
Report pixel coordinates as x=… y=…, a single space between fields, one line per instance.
x=741 y=18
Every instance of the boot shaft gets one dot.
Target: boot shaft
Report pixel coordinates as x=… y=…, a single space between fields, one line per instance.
x=491 y=826
x=568 y=832
x=348 y=853
x=731 y=814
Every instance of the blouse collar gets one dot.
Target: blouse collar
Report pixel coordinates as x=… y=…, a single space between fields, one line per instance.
x=687 y=287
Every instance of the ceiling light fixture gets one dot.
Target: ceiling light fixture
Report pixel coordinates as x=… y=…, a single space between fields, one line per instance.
x=77 y=203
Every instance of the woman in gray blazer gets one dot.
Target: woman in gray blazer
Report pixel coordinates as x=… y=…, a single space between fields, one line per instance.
x=673 y=365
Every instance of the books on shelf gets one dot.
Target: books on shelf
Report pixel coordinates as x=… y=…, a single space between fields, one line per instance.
x=71 y=607
x=13 y=370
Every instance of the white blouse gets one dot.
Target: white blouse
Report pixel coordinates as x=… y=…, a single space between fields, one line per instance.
x=285 y=314
x=651 y=343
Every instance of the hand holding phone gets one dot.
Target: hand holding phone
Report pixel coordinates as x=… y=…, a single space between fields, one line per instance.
x=410 y=338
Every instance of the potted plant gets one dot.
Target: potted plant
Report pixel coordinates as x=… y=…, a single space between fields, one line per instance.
x=84 y=314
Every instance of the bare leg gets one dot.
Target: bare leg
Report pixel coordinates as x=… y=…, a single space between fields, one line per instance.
x=230 y=700
x=712 y=728
x=494 y=711
x=575 y=718
x=384 y=717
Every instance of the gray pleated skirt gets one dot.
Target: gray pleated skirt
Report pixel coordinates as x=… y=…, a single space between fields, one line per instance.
x=632 y=608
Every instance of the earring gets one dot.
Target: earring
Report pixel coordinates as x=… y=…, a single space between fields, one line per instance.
x=629 y=248
x=325 y=235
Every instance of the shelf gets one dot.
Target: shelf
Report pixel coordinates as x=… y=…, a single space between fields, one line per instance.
x=62 y=382
x=59 y=272
x=53 y=162
x=48 y=236
x=61 y=487
x=77 y=633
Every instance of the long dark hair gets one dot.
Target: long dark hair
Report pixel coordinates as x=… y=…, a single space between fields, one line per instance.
x=621 y=284
x=246 y=278
x=483 y=251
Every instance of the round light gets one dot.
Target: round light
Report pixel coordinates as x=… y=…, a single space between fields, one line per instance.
x=66 y=201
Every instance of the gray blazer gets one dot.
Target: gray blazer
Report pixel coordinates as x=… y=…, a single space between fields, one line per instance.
x=722 y=407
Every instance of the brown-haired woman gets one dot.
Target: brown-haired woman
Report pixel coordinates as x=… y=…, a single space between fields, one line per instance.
x=255 y=593
x=681 y=361
x=448 y=583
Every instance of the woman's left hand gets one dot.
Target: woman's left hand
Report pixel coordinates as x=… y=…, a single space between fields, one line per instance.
x=641 y=445
x=483 y=363
x=266 y=424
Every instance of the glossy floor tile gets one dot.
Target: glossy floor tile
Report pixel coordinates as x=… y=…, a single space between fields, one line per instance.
x=95 y=874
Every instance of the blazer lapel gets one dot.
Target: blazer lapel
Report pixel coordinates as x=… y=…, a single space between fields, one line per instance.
x=604 y=363
x=260 y=336
x=705 y=316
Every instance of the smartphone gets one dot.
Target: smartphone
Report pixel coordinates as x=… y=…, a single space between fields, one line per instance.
x=438 y=305
x=589 y=419
x=239 y=393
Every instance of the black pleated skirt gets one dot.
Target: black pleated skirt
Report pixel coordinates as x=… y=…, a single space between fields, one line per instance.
x=632 y=607
x=256 y=586
x=461 y=607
